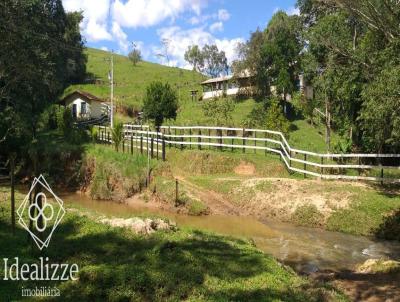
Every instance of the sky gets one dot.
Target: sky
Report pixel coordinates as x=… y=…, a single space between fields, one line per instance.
x=120 y=25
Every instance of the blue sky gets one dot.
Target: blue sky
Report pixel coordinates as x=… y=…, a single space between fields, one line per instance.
x=117 y=24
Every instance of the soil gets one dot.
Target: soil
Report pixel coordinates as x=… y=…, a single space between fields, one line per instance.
x=245 y=169
x=364 y=287
x=216 y=202
x=279 y=198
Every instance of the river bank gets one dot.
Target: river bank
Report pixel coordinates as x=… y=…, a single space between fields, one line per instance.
x=115 y=264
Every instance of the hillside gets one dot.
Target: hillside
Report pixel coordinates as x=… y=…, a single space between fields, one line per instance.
x=131 y=81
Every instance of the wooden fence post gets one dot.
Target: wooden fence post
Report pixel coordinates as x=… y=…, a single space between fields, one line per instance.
x=163 y=147
x=176 y=192
x=151 y=147
x=209 y=139
x=183 y=130
x=255 y=142
x=244 y=141
x=108 y=137
x=190 y=138
x=265 y=143
x=141 y=143
x=199 y=139
x=220 y=139
x=169 y=138
x=382 y=176
x=322 y=162
x=305 y=165
x=157 y=144
x=131 y=143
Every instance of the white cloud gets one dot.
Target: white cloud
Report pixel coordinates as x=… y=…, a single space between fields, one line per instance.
x=145 y=51
x=293 y=11
x=144 y=13
x=217 y=26
x=290 y=11
x=180 y=39
x=223 y=15
x=121 y=37
x=104 y=48
x=96 y=13
x=194 y=20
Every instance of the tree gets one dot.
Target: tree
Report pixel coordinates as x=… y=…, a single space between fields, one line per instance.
x=209 y=60
x=249 y=58
x=215 y=61
x=135 y=56
x=380 y=113
x=194 y=57
x=160 y=103
x=42 y=53
x=279 y=62
x=275 y=120
x=219 y=111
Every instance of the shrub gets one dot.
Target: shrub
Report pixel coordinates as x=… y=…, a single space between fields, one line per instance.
x=117 y=134
x=308 y=215
x=219 y=111
x=160 y=103
x=275 y=119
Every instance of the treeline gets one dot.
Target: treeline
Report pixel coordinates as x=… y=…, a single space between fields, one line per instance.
x=41 y=53
x=348 y=51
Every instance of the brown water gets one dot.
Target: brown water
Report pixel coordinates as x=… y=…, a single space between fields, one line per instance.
x=305 y=249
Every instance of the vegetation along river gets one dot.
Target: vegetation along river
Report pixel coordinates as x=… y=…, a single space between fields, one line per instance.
x=305 y=249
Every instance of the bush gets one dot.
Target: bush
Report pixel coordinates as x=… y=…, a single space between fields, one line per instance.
x=113 y=176
x=275 y=119
x=307 y=215
x=117 y=134
x=160 y=103
x=219 y=111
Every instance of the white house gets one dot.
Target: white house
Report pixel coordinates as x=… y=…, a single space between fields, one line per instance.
x=228 y=85
x=85 y=105
x=232 y=86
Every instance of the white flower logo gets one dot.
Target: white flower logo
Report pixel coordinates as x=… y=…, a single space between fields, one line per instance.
x=41 y=210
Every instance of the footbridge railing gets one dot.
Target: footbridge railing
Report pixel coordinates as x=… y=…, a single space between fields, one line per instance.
x=367 y=167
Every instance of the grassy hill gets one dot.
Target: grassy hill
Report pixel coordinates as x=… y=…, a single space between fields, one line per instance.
x=131 y=81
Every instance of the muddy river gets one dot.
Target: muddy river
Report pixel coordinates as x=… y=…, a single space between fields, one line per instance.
x=305 y=249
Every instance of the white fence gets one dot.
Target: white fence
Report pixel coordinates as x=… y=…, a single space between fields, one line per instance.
x=370 y=167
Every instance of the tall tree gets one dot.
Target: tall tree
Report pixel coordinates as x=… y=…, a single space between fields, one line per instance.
x=280 y=53
x=215 y=62
x=41 y=53
x=194 y=57
x=135 y=56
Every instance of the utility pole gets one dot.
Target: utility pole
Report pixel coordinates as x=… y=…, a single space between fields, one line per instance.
x=112 y=90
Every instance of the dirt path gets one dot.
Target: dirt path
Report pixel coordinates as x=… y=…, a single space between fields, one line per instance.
x=217 y=204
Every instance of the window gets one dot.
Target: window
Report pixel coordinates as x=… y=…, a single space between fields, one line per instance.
x=83 y=108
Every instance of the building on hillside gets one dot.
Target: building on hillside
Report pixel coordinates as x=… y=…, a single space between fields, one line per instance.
x=241 y=85
x=226 y=85
x=85 y=106
x=306 y=89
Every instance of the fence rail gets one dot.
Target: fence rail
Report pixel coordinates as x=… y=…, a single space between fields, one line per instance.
x=369 y=167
